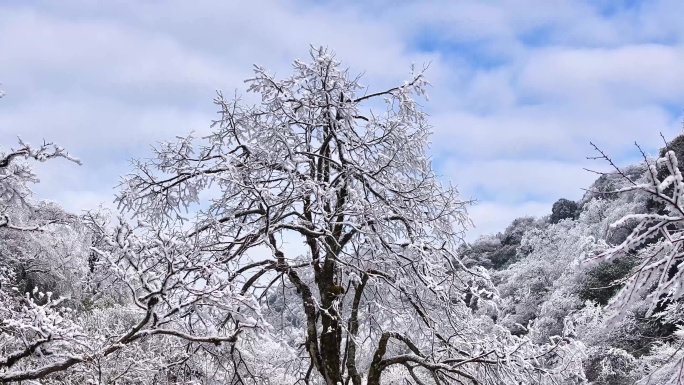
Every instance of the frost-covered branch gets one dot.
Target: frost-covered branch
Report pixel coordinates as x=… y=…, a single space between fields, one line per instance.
x=42 y=153
x=657 y=236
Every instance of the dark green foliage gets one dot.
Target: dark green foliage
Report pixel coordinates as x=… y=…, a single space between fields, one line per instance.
x=618 y=235
x=622 y=367
x=512 y=238
x=488 y=254
x=564 y=209
x=517 y=229
x=638 y=336
x=503 y=256
x=499 y=251
x=478 y=254
x=598 y=286
x=631 y=339
x=28 y=281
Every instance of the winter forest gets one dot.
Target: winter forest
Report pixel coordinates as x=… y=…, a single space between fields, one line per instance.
x=308 y=240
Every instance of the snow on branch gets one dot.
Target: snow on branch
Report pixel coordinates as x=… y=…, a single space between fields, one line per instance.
x=657 y=237
x=45 y=151
x=15 y=176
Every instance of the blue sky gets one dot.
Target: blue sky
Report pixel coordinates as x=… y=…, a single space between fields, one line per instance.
x=520 y=87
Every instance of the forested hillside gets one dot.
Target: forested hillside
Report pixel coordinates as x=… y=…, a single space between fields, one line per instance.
x=307 y=240
x=550 y=283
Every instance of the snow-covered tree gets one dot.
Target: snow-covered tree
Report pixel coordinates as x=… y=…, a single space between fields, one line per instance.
x=657 y=237
x=542 y=286
x=30 y=256
x=327 y=212
x=657 y=281
x=85 y=302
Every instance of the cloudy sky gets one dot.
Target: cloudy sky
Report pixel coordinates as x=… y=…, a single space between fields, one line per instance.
x=520 y=87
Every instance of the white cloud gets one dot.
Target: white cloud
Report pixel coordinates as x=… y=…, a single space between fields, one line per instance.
x=520 y=87
x=84 y=124
x=633 y=74
x=515 y=181
x=99 y=54
x=555 y=131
